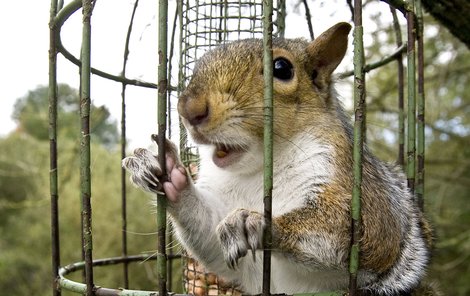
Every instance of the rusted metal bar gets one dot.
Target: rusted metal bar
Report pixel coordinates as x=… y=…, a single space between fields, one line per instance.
x=268 y=141
x=53 y=172
x=162 y=109
x=411 y=141
x=421 y=108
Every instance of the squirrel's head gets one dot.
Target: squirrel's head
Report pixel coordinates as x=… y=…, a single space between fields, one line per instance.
x=223 y=103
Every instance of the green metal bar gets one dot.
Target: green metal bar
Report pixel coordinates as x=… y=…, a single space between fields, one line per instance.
x=85 y=176
x=281 y=18
x=123 y=149
x=59 y=20
x=181 y=78
x=359 y=119
x=401 y=90
x=162 y=109
x=374 y=65
x=53 y=175
x=411 y=142
x=117 y=78
x=421 y=106
x=268 y=141
x=169 y=123
x=76 y=287
x=64 y=13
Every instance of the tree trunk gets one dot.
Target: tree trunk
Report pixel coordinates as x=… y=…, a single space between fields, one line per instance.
x=453 y=14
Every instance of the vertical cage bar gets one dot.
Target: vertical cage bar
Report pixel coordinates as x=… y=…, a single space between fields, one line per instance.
x=124 y=188
x=53 y=175
x=162 y=109
x=401 y=90
x=181 y=76
x=411 y=141
x=268 y=140
x=421 y=107
x=85 y=176
x=123 y=150
x=170 y=57
x=169 y=124
x=308 y=18
x=281 y=18
x=359 y=116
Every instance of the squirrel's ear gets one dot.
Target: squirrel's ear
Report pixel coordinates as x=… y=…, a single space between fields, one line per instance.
x=326 y=52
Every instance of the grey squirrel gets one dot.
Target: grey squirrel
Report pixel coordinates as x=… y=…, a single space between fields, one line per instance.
x=219 y=218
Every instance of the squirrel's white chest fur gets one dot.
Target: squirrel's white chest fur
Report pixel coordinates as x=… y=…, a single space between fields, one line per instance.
x=297 y=165
x=300 y=167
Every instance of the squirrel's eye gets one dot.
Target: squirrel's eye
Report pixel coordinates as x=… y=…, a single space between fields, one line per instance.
x=283 y=69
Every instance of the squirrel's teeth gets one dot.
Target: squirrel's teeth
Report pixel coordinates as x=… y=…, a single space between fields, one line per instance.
x=221 y=153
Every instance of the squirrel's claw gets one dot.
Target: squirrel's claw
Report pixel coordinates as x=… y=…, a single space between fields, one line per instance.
x=145 y=170
x=239 y=232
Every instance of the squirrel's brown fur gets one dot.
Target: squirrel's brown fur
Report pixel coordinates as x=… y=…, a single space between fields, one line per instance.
x=222 y=110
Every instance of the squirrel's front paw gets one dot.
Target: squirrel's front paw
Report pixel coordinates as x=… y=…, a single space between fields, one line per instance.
x=145 y=170
x=240 y=231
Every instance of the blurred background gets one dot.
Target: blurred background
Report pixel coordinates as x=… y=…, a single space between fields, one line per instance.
x=25 y=262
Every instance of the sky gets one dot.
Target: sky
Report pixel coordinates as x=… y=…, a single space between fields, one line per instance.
x=24 y=54
x=24 y=57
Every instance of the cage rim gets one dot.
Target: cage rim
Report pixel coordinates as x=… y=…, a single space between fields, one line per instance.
x=78 y=287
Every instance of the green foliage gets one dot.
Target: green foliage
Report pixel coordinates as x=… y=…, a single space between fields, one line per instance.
x=22 y=203
x=25 y=249
x=19 y=167
x=25 y=224
x=31 y=113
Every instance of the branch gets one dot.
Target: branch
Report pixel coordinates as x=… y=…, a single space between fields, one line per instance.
x=401 y=5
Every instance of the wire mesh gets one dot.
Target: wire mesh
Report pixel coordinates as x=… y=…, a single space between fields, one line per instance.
x=207 y=24
x=204 y=25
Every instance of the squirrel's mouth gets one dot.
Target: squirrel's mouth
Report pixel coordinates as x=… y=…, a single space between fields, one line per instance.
x=225 y=154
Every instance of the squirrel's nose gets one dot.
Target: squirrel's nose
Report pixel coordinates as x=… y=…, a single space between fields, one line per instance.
x=195 y=110
x=199 y=116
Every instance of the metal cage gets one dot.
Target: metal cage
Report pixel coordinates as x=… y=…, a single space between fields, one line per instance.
x=203 y=25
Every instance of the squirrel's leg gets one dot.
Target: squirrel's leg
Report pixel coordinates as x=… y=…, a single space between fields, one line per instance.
x=240 y=231
x=195 y=213
x=314 y=235
x=297 y=234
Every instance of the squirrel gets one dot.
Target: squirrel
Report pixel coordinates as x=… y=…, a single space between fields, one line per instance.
x=219 y=218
